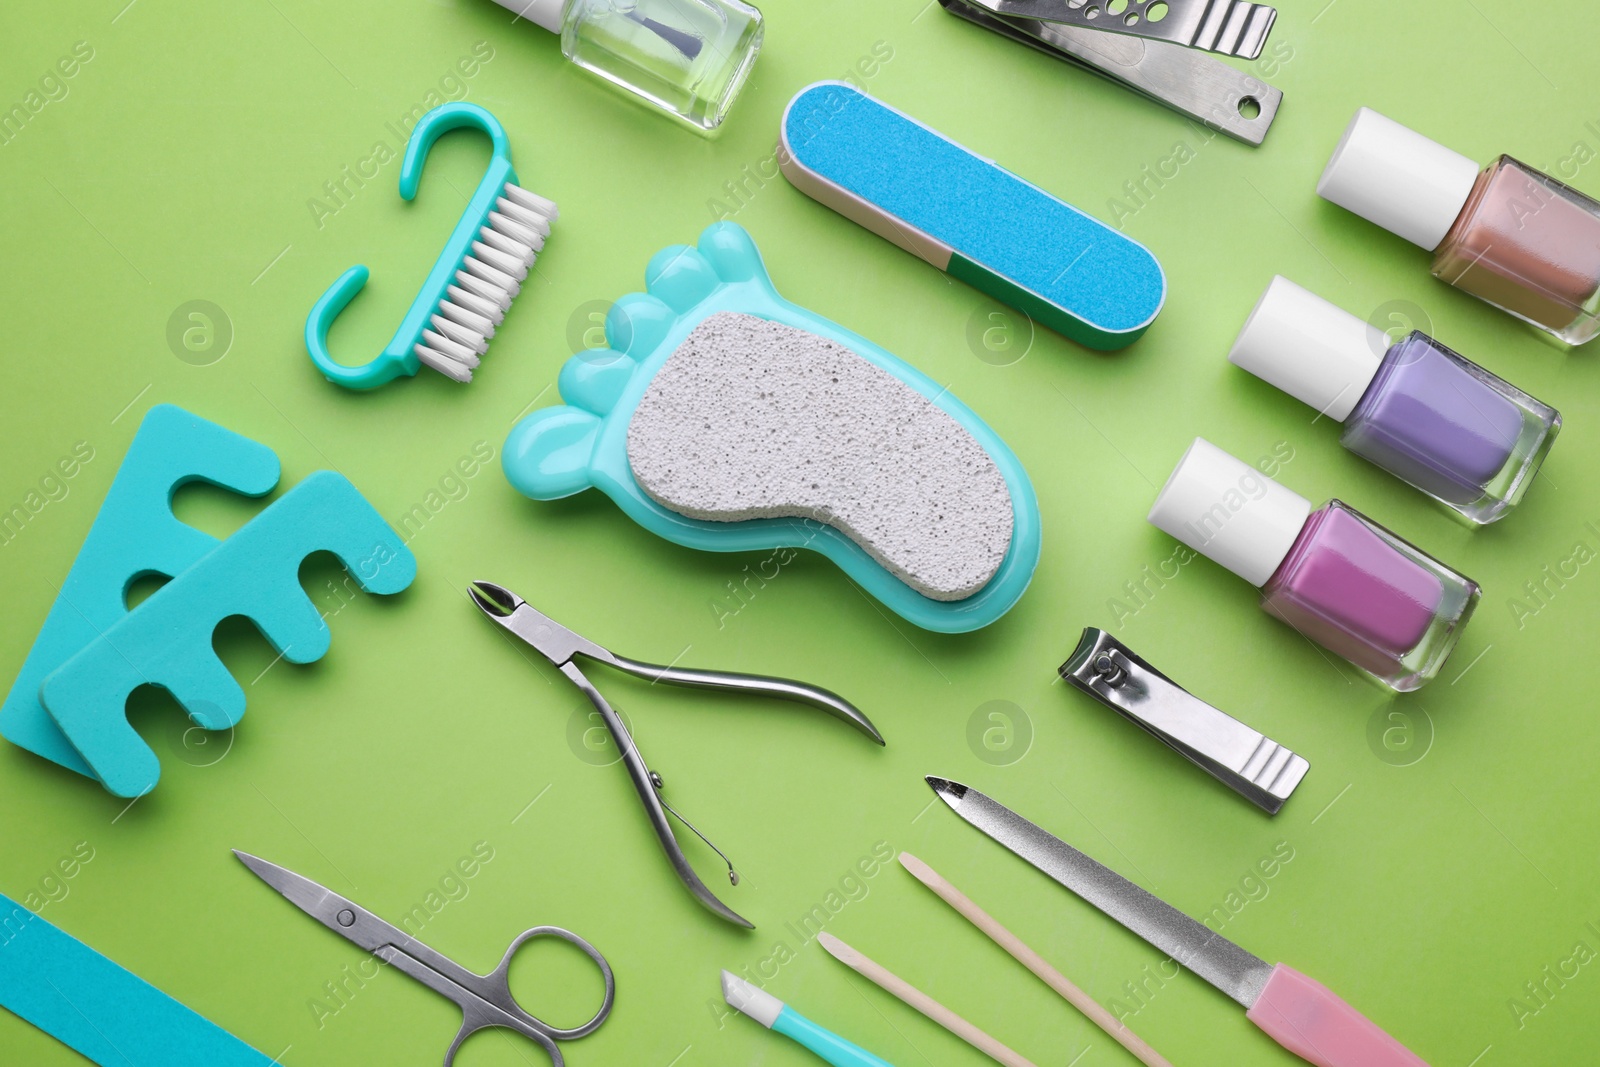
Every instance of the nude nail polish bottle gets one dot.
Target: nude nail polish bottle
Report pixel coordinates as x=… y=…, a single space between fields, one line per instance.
x=1419 y=410
x=1508 y=234
x=1336 y=576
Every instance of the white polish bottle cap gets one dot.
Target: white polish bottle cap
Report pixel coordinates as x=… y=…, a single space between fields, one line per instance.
x=1390 y=174
x=546 y=13
x=1230 y=512
x=1316 y=352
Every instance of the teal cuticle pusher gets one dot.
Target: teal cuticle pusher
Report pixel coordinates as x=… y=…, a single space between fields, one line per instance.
x=466 y=294
x=778 y=1017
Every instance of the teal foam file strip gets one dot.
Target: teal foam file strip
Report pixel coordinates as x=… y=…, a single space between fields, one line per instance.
x=110 y=1015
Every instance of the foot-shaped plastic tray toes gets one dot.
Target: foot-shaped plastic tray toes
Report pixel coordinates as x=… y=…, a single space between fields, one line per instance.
x=562 y=450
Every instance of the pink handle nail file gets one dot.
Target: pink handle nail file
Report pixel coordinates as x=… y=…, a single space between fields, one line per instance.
x=1298 y=1013
x=1305 y=1017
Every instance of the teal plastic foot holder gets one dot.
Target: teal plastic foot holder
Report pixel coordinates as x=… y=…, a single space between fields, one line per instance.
x=99 y=1010
x=558 y=451
x=69 y=704
x=134 y=535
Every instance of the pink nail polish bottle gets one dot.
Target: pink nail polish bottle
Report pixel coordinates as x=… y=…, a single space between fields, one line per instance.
x=1509 y=235
x=1333 y=574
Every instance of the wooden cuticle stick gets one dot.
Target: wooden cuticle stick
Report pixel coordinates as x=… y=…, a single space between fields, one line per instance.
x=886 y=980
x=1033 y=961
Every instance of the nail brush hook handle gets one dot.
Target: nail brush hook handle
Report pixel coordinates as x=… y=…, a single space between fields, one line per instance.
x=399 y=356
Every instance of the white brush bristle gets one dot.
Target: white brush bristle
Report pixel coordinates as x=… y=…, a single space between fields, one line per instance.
x=489 y=279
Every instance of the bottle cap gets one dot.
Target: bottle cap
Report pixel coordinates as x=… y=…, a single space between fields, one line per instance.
x=1229 y=511
x=1394 y=176
x=1316 y=352
x=546 y=13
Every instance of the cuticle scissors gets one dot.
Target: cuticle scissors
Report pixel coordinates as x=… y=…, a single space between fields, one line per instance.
x=485 y=1000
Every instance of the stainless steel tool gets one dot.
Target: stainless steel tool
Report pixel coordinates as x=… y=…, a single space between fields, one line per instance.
x=1156 y=65
x=1230 y=27
x=1245 y=760
x=560 y=646
x=485 y=1000
x=1297 y=1012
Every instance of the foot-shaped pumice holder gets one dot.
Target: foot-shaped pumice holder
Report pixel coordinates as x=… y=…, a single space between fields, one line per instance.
x=725 y=418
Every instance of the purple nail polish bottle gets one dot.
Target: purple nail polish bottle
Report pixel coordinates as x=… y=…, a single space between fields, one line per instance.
x=1415 y=408
x=1336 y=576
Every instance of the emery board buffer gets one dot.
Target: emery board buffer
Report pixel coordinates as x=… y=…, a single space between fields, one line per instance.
x=107 y=1014
x=968 y=216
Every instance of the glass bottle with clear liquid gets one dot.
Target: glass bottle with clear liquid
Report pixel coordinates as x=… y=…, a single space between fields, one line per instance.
x=688 y=57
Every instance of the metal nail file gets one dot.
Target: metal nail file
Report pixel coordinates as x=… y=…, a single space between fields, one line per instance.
x=1191 y=83
x=1245 y=760
x=1297 y=1012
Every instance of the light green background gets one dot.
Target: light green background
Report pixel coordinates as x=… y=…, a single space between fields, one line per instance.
x=178 y=167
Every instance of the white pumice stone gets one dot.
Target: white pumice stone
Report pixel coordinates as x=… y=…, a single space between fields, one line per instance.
x=754 y=419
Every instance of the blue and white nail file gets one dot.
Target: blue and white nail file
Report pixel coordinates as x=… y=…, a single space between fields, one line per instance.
x=107 y=1014
x=134 y=534
x=968 y=216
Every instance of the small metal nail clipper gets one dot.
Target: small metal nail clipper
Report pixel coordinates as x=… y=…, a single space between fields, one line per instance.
x=1245 y=760
x=1150 y=46
x=561 y=646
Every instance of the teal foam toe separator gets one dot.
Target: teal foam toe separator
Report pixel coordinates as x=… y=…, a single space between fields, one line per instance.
x=1006 y=236
x=134 y=534
x=166 y=641
x=558 y=451
x=98 y=1009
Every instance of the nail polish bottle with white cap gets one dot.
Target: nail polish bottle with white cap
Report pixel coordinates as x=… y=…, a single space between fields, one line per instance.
x=1419 y=410
x=687 y=57
x=1509 y=235
x=1333 y=574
